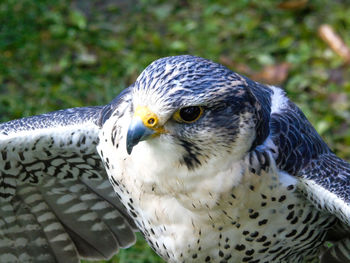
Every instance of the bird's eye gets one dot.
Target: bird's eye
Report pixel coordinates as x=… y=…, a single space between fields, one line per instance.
x=188 y=114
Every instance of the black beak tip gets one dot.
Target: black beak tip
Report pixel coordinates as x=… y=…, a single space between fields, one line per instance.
x=129 y=148
x=131 y=141
x=137 y=132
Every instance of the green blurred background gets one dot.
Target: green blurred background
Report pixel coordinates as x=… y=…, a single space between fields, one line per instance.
x=60 y=54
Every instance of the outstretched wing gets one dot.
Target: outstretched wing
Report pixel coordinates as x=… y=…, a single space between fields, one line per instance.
x=323 y=177
x=56 y=203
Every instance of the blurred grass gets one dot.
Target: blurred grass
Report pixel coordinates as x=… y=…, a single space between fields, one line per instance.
x=60 y=54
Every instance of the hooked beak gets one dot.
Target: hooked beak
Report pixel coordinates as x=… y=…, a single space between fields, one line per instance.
x=137 y=132
x=143 y=125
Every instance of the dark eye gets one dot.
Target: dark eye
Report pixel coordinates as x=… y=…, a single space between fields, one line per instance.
x=188 y=114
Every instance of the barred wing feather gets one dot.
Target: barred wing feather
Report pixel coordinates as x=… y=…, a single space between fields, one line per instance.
x=56 y=203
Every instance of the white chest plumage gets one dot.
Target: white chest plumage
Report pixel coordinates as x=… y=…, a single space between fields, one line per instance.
x=221 y=212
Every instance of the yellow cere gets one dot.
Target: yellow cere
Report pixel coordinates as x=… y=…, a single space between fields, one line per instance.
x=149 y=119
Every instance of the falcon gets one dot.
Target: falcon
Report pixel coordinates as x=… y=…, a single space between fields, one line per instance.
x=207 y=164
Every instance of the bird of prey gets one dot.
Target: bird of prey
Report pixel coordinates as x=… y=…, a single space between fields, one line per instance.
x=207 y=164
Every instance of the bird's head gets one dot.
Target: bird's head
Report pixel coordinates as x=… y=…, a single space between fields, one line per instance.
x=200 y=107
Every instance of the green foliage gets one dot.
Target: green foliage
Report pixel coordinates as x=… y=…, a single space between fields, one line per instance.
x=139 y=253
x=59 y=54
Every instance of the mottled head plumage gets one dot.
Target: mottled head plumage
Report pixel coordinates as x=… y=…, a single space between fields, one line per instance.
x=231 y=109
x=194 y=79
